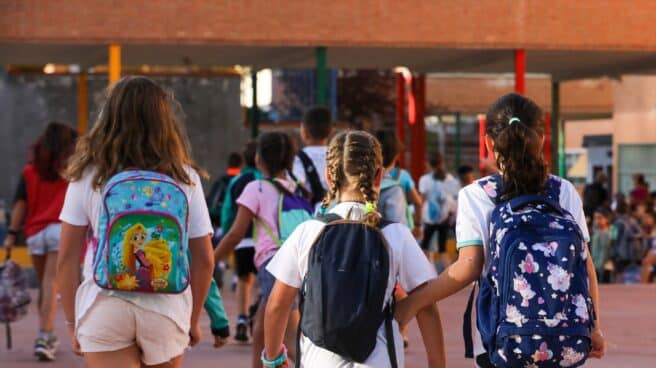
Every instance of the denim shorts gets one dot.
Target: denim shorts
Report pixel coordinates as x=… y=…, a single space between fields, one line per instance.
x=265 y=281
x=45 y=241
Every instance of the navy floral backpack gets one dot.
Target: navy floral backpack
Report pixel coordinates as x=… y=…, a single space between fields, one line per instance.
x=533 y=306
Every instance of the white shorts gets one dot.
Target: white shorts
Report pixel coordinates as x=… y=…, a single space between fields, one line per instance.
x=45 y=241
x=113 y=324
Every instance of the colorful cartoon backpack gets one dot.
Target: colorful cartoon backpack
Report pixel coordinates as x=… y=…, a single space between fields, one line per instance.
x=142 y=242
x=293 y=210
x=533 y=308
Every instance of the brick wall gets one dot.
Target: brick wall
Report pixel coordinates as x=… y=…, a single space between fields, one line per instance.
x=557 y=24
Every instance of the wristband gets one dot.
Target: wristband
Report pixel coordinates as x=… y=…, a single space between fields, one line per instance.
x=276 y=362
x=13 y=232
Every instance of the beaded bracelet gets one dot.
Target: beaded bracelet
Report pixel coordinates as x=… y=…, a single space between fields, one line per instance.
x=276 y=362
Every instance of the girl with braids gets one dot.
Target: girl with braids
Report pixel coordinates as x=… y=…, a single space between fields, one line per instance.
x=354 y=172
x=514 y=133
x=258 y=204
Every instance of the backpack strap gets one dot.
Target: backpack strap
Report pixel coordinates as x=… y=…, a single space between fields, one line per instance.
x=389 y=333
x=467 y=325
x=312 y=176
x=329 y=217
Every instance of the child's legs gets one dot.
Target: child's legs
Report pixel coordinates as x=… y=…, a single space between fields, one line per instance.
x=647 y=267
x=244 y=286
x=124 y=358
x=442 y=237
x=429 y=230
x=258 y=335
x=173 y=363
x=48 y=295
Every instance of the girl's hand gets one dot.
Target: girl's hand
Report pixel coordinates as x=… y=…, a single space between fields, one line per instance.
x=598 y=344
x=75 y=344
x=194 y=335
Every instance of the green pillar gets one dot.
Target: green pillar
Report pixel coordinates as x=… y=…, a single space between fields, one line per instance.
x=321 y=77
x=458 y=141
x=557 y=131
x=255 y=111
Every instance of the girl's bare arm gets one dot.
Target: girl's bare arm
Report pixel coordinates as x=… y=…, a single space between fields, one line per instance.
x=71 y=244
x=235 y=234
x=463 y=272
x=276 y=316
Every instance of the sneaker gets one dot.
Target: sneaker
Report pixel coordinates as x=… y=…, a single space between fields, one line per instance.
x=45 y=349
x=241 y=333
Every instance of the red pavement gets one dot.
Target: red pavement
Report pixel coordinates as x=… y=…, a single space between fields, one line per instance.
x=627 y=315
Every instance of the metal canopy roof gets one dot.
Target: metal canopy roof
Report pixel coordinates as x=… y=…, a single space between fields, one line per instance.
x=561 y=65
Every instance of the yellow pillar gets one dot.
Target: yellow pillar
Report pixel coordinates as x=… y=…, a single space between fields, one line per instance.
x=114 y=63
x=82 y=103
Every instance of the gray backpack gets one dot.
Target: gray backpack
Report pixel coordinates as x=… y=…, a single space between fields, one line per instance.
x=14 y=294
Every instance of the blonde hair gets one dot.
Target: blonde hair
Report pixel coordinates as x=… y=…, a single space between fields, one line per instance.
x=128 y=259
x=137 y=128
x=353 y=161
x=157 y=252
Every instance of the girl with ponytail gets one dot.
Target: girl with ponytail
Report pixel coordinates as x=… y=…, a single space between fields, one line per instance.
x=515 y=134
x=354 y=173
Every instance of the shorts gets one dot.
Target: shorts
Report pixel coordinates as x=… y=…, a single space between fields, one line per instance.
x=244 y=264
x=265 y=281
x=442 y=236
x=113 y=324
x=45 y=241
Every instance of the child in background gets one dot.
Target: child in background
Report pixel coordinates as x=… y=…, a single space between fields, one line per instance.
x=398 y=191
x=601 y=241
x=245 y=251
x=259 y=204
x=310 y=162
x=649 y=261
x=38 y=201
x=136 y=129
x=465 y=175
x=514 y=133
x=354 y=175
x=439 y=191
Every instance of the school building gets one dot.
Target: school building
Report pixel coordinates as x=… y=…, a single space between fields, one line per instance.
x=558 y=41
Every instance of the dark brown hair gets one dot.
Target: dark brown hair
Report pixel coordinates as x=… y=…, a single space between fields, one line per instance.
x=515 y=124
x=390 y=145
x=52 y=150
x=276 y=152
x=318 y=122
x=354 y=159
x=137 y=128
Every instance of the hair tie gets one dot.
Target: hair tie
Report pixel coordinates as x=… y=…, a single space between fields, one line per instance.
x=513 y=119
x=369 y=207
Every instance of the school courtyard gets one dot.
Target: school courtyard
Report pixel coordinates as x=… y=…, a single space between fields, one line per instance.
x=627 y=315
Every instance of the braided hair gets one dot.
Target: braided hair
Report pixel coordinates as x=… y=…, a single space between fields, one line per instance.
x=354 y=159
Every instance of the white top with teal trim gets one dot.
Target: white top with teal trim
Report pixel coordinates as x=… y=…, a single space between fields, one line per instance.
x=475 y=209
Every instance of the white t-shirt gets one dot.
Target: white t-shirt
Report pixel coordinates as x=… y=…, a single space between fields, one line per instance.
x=408 y=265
x=82 y=208
x=318 y=156
x=449 y=186
x=473 y=221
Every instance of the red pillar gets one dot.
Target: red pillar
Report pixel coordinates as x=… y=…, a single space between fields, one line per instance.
x=482 y=151
x=418 y=128
x=520 y=71
x=400 y=113
x=547 y=139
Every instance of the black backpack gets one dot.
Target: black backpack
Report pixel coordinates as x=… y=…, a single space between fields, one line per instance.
x=344 y=290
x=313 y=178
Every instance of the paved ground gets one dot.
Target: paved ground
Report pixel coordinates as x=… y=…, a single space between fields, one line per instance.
x=628 y=317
